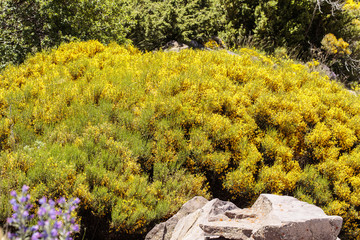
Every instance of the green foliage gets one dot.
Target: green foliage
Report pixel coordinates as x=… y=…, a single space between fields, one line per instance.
x=135 y=135
x=313 y=187
x=158 y=22
x=341 y=51
x=300 y=27
x=31 y=26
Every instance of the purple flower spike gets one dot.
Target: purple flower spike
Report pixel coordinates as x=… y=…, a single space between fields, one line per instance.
x=28 y=206
x=13 y=201
x=34 y=228
x=54 y=233
x=44 y=235
x=62 y=200
x=11 y=235
x=25 y=189
x=36 y=236
x=55 y=221
x=75 y=228
x=25 y=214
x=41 y=223
x=53 y=214
x=13 y=193
x=58 y=225
x=52 y=203
x=67 y=217
x=76 y=201
x=42 y=200
x=23 y=199
x=72 y=208
x=41 y=211
x=15 y=207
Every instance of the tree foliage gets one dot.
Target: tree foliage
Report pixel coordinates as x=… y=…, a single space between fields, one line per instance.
x=158 y=22
x=31 y=26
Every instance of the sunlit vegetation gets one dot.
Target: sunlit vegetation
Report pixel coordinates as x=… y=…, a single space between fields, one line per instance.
x=135 y=135
x=299 y=27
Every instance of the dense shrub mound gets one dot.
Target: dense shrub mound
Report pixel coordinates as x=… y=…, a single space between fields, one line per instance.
x=135 y=135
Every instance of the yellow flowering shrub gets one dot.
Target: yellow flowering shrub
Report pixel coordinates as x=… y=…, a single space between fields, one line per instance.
x=135 y=135
x=335 y=46
x=351 y=5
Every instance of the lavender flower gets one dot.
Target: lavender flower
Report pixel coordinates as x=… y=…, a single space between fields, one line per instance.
x=21 y=218
x=55 y=221
x=25 y=189
x=69 y=222
x=36 y=236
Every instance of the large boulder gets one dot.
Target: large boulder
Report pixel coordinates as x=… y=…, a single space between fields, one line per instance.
x=271 y=217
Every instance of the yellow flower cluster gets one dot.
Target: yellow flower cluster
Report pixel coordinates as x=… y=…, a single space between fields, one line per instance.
x=335 y=46
x=212 y=44
x=313 y=64
x=351 y=5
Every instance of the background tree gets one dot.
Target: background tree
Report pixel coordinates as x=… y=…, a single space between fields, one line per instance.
x=158 y=22
x=300 y=27
x=31 y=26
x=20 y=30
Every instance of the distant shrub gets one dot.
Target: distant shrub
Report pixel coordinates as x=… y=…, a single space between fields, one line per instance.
x=135 y=135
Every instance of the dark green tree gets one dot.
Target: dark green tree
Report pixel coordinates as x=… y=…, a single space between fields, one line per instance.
x=158 y=22
x=34 y=25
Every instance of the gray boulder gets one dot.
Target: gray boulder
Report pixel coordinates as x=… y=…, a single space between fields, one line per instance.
x=163 y=231
x=190 y=226
x=174 y=46
x=271 y=217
